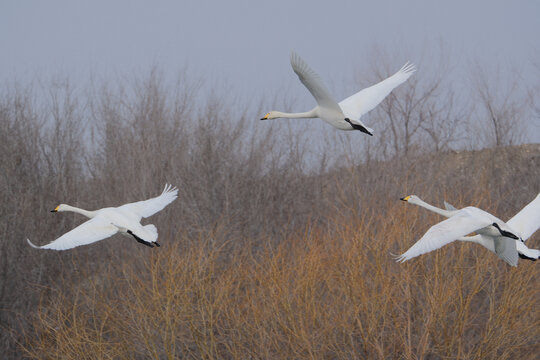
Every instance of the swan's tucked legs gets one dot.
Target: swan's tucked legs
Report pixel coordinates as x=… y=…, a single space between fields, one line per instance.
x=523 y=256
x=140 y=240
x=358 y=127
x=506 y=233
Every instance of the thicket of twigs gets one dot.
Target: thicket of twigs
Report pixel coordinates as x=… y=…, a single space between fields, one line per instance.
x=279 y=244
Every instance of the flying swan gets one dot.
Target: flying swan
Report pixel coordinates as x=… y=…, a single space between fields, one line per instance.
x=345 y=115
x=527 y=221
x=106 y=222
x=504 y=239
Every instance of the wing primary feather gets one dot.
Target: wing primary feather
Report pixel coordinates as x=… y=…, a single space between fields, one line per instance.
x=146 y=208
x=32 y=244
x=93 y=230
x=367 y=99
x=312 y=81
x=527 y=220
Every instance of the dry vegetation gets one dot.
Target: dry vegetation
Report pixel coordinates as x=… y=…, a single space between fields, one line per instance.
x=332 y=293
x=271 y=251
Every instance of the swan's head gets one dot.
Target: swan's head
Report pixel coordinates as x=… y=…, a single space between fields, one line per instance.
x=61 y=207
x=271 y=115
x=413 y=199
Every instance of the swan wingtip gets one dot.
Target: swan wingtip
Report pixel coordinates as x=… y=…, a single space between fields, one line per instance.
x=398 y=258
x=169 y=188
x=31 y=244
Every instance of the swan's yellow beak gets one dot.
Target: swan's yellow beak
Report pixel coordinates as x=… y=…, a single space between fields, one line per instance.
x=406 y=198
x=265 y=116
x=55 y=209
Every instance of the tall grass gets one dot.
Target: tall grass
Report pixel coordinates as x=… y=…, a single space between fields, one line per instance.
x=325 y=292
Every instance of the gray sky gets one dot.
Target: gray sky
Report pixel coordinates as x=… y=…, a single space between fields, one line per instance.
x=246 y=44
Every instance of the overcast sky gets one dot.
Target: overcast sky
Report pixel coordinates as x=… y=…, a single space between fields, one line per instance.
x=246 y=44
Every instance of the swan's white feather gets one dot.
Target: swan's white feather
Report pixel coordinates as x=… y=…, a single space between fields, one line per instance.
x=524 y=250
x=365 y=100
x=313 y=83
x=527 y=221
x=149 y=207
x=506 y=249
x=448 y=206
x=88 y=232
x=151 y=233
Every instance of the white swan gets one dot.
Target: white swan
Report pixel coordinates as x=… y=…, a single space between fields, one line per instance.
x=345 y=115
x=106 y=222
x=494 y=234
x=526 y=222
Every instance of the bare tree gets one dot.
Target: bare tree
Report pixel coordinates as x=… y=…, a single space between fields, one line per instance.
x=422 y=114
x=501 y=107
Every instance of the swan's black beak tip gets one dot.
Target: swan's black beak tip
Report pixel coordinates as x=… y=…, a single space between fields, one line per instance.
x=53 y=210
x=402 y=199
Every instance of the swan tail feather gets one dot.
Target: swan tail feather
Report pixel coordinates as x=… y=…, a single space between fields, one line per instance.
x=152 y=232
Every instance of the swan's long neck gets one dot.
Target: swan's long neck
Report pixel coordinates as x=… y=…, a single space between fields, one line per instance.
x=89 y=214
x=446 y=213
x=302 y=115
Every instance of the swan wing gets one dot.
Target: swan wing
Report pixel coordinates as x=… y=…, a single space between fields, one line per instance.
x=313 y=83
x=449 y=207
x=88 y=232
x=506 y=249
x=151 y=206
x=527 y=221
x=461 y=224
x=365 y=100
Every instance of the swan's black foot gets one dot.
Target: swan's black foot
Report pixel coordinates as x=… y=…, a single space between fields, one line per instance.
x=526 y=257
x=156 y=243
x=506 y=233
x=358 y=127
x=149 y=244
